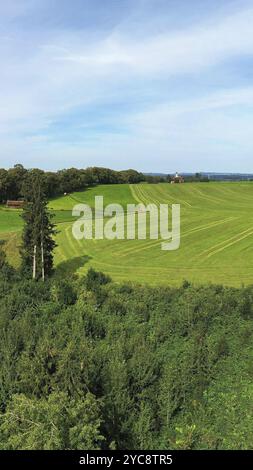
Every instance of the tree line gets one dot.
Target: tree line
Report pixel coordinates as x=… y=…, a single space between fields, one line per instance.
x=13 y=182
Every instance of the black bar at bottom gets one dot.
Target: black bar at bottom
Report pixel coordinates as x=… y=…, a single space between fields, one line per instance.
x=110 y=459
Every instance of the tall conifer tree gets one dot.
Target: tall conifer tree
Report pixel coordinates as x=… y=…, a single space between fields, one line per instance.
x=38 y=235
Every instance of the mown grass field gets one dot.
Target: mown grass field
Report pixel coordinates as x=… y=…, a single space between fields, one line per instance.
x=216 y=235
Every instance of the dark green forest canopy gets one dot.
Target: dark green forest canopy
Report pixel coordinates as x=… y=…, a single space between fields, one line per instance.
x=89 y=364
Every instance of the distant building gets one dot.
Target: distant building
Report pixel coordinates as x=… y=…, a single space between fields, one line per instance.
x=15 y=204
x=177 y=179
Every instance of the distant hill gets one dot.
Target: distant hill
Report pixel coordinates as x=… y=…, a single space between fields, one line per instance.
x=214 y=176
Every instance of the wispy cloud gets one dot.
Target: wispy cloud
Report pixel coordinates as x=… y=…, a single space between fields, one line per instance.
x=170 y=53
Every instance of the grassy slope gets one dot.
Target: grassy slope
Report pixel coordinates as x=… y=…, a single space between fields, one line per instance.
x=112 y=193
x=10 y=220
x=216 y=242
x=62 y=206
x=10 y=232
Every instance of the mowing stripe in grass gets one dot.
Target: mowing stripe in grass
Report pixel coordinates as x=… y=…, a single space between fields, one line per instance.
x=150 y=244
x=230 y=244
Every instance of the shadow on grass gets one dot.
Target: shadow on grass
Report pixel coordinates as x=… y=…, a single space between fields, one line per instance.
x=70 y=266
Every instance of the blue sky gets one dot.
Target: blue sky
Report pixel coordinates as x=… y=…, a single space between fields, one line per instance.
x=156 y=85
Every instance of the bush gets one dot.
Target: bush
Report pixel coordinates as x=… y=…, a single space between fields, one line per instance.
x=64 y=293
x=95 y=279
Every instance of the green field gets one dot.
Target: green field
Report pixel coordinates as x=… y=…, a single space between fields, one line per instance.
x=216 y=235
x=112 y=193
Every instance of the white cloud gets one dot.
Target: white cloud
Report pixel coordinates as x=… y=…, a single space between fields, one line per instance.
x=45 y=77
x=169 y=53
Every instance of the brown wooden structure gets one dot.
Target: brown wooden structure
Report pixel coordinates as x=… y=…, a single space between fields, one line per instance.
x=15 y=204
